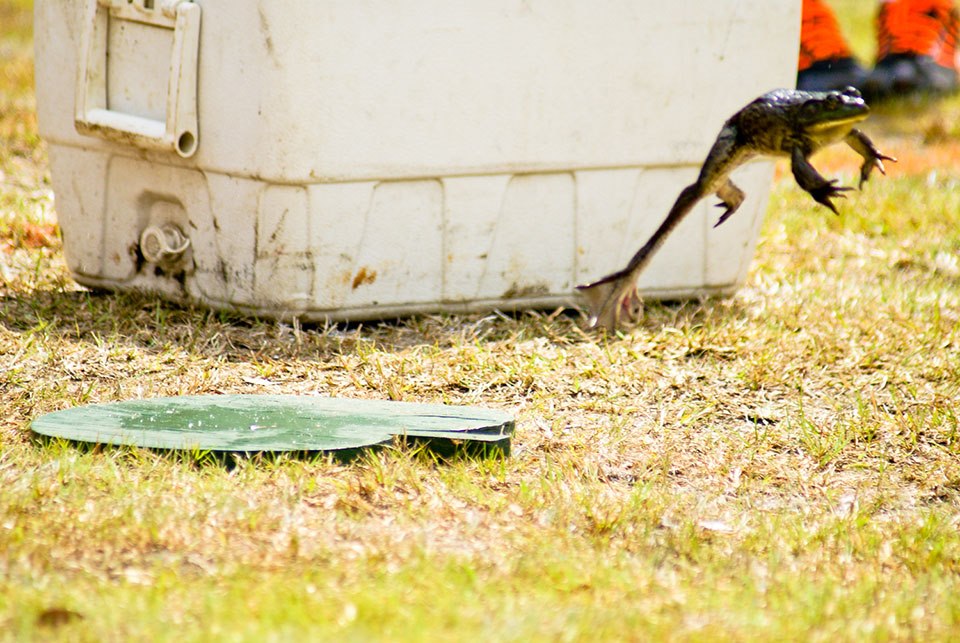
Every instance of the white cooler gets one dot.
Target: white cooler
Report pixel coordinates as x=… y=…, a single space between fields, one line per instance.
x=351 y=159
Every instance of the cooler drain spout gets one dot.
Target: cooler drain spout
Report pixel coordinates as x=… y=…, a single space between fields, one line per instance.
x=165 y=246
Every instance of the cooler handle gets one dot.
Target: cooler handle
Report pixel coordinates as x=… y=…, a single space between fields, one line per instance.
x=92 y=117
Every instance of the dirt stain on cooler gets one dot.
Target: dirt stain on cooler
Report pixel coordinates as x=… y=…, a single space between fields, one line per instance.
x=364 y=277
x=517 y=291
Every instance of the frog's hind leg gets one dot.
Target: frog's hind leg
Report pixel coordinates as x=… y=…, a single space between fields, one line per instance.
x=731 y=198
x=612 y=299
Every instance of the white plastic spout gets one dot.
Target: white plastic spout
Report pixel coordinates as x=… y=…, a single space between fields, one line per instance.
x=163 y=245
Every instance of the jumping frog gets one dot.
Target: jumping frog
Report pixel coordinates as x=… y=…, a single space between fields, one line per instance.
x=783 y=122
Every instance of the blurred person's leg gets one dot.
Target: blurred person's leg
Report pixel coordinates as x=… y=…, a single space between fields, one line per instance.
x=826 y=61
x=916 y=48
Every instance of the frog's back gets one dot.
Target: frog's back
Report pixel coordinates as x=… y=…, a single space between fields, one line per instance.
x=766 y=125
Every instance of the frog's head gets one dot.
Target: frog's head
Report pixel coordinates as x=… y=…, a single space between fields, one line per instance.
x=836 y=110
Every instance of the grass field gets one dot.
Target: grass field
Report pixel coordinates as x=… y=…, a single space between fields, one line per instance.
x=781 y=464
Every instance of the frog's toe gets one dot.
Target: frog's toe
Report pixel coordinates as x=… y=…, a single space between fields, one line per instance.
x=827 y=191
x=631 y=306
x=875 y=161
x=726 y=213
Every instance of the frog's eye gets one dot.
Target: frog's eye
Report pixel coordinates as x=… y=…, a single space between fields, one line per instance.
x=834 y=101
x=852 y=92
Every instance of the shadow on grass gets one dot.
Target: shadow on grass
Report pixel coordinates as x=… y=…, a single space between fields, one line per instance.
x=152 y=324
x=436 y=451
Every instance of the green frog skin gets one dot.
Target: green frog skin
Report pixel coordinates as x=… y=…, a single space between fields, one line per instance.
x=783 y=122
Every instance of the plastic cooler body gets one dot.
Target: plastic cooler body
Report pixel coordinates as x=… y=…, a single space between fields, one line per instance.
x=351 y=159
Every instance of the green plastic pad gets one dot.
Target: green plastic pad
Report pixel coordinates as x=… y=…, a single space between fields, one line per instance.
x=272 y=423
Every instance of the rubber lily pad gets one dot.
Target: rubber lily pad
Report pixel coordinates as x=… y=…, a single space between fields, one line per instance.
x=272 y=423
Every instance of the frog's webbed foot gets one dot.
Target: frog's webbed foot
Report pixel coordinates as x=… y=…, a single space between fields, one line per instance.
x=810 y=180
x=872 y=157
x=613 y=299
x=823 y=193
x=731 y=198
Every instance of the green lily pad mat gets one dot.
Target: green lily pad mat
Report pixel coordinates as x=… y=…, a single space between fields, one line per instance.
x=272 y=423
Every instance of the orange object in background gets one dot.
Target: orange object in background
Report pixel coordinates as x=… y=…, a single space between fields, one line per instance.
x=916 y=49
x=921 y=27
x=820 y=35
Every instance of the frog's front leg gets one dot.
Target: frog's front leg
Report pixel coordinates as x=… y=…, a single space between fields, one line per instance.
x=872 y=157
x=810 y=180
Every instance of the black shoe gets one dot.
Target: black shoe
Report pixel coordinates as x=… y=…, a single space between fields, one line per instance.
x=916 y=47
x=903 y=74
x=829 y=75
